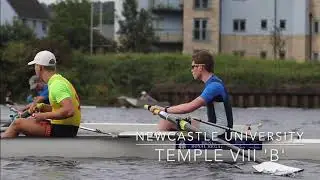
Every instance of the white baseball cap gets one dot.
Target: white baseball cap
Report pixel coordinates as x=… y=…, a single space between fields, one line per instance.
x=44 y=58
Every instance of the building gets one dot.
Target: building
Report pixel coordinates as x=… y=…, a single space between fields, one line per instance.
x=30 y=12
x=167 y=21
x=315 y=29
x=247 y=28
x=201 y=24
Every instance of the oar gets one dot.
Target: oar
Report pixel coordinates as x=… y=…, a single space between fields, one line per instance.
x=98 y=131
x=219 y=126
x=24 y=114
x=232 y=130
x=267 y=167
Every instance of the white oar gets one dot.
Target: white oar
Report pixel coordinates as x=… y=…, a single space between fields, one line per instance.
x=219 y=126
x=267 y=167
x=245 y=134
x=98 y=131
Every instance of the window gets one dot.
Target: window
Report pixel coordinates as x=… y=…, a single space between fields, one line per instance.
x=198 y=50
x=316 y=27
x=239 y=25
x=239 y=53
x=24 y=21
x=264 y=24
x=316 y=56
x=282 y=24
x=34 y=24
x=201 y=4
x=200 y=31
x=282 y=54
x=44 y=26
x=263 y=54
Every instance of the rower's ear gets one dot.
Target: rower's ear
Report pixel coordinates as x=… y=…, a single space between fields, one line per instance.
x=40 y=68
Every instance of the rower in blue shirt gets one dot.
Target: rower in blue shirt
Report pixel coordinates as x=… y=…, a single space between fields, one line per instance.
x=40 y=89
x=214 y=96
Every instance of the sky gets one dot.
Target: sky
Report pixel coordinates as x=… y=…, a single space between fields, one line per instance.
x=53 y=1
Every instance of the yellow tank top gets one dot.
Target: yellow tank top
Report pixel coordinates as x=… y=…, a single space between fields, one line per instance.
x=59 y=89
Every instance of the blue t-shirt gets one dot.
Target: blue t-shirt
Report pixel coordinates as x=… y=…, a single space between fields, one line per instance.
x=215 y=91
x=213 y=88
x=45 y=93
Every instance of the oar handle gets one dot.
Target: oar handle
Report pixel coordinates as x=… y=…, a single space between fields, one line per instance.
x=155 y=111
x=147 y=107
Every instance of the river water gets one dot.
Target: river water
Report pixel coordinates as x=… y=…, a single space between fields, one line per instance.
x=273 y=119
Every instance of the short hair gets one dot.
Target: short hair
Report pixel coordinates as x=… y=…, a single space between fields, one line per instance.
x=50 y=68
x=204 y=57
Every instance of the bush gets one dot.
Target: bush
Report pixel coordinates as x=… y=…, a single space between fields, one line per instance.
x=14 y=70
x=60 y=49
x=100 y=79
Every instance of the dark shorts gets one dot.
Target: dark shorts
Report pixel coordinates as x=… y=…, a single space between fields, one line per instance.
x=56 y=130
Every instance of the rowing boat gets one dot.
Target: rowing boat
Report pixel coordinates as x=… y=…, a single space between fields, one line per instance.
x=133 y=140
x=188 y=144
x=142 y=127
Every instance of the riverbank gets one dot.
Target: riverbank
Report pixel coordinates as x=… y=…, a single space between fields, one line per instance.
x=100 y=79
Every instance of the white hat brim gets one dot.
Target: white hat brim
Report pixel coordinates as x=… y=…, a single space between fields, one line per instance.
x=32 y=62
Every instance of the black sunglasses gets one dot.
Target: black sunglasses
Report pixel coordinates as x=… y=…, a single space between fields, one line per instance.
x=196 y=65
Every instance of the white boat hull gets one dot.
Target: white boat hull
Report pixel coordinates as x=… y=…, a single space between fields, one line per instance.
x=129 y=145
x=143 y=127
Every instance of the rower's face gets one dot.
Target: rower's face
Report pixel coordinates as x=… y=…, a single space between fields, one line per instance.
x=196 y=70
x=38 y=69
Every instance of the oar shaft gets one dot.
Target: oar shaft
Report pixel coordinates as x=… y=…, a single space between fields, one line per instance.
x=237 y=149
x=219 y=126
x=191 y=128
x=98 y=131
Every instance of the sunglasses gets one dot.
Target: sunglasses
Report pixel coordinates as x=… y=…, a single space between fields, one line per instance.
x=196 y=65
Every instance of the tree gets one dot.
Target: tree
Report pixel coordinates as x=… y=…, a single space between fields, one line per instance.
x=16 y=31
x=136 y=30
x=71 y=22
x=277 y=42
x=107 y=12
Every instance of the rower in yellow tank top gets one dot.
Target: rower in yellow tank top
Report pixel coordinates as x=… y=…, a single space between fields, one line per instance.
x=59 y=119
x=59 y=89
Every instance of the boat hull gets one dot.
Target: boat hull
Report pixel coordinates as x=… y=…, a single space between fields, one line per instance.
x=130 y=146
x=143 y=127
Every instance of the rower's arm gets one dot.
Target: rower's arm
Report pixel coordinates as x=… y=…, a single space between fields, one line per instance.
x=187 y=107
x=46 y=108
x=67 y=110
x=36 y=100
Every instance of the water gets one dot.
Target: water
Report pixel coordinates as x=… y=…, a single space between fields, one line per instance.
x=273 y=119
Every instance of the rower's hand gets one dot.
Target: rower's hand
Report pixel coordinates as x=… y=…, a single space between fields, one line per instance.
x=38 y=116
x=35 y=108
x=155 y=107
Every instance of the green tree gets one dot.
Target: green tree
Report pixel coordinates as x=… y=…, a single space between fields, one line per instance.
x=71 y=22
x=136 y=30
x=14 y=72
x=278 y=42
x=16 y=31
x=107 y=12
